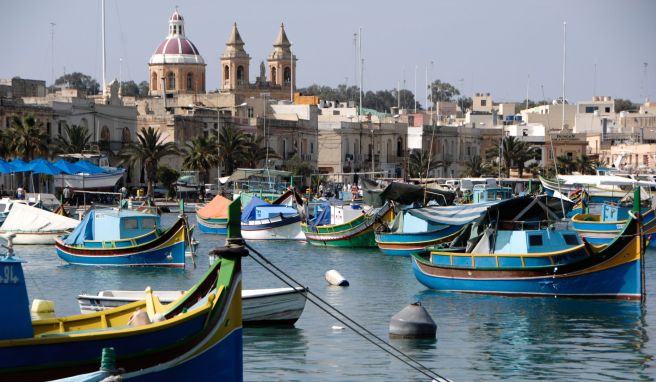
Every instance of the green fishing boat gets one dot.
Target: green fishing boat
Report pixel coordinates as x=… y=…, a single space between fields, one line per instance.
x=346 y=225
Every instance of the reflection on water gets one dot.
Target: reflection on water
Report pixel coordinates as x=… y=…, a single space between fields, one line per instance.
x=478 y=337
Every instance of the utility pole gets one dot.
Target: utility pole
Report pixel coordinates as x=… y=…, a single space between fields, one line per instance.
x=52 y=53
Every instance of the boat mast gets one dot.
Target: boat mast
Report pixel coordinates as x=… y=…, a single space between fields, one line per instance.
x=562 y=126
x=104 y=80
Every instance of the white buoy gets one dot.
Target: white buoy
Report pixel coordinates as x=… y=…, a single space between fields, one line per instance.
x=334 y=278
x=413 y=321
x=42 y=308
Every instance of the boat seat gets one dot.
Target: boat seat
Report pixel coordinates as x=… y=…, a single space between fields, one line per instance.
x=154 y=308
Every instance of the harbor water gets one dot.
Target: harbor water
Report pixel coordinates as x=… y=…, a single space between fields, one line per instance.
x=478 y=337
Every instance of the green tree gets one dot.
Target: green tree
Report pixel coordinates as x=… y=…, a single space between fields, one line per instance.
x=442 y=91
x=565 y=164
x=255 y=152
x=82 y=82
x=514 y=153
x=129 y=89
x=623 y=105
x=144 y=88
x=200 y=155
x=476 y=167
x=299 y=167
x=75 y=139
x=149 y=150
x=231 y=148
x=420 y=164
x=27 y=138
x=585 y=165
x=465 y=103
x=167 y=176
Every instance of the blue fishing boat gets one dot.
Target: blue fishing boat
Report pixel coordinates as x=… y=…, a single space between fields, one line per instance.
x=114 y=237
x=212 y=218
x=538 y=260
x=199 y=334
x=417 y=228
x=602 y=228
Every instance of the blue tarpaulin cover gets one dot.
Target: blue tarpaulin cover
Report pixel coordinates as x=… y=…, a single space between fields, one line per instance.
x=323 y=218
x=67 y=167
x=249 y=211
x=84 y=231
x=89 y=167
x=42 y=166
x=5 y=167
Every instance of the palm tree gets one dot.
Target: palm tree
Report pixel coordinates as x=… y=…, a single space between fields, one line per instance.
x=200 y=155
x=514 y=151
x=27 y=138
x=584 y=165
x=420 y=164
x=476 y=167
x=76 y=138
x=565 y=164
x=149 y=150
x=255 y=151
x=231 y=148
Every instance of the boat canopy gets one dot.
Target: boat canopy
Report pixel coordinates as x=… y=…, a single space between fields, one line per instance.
x=452 y=215
x=409 y=193
x=216 y=209
x=245 y=173
x=323 y=218
x=84 y=231
x=249 y=211
x=22 y=217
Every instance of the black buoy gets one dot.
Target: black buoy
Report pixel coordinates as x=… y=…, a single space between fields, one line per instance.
x=413 y=322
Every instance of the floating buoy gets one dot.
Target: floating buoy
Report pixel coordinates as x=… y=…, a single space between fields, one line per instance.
x=334 y=278
x=42 y=306
x=413 y=321
x=337 y=327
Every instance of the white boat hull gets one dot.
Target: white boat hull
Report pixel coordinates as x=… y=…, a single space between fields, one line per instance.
x=79 y=182
x=33 y=238
x=276 y=306
x=268 y=229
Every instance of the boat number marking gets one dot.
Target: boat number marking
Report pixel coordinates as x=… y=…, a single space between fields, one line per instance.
x=8 y=276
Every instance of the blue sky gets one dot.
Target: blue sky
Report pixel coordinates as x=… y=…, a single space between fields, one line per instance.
x=476 y=45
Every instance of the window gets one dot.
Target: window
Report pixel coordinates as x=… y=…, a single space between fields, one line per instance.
x=287 y=74
x=148 y=223
x=311 y=147
x=607 y=109
x=535 y=240
x=190 y=81
x=226 y=73
x=129 y=223
x=483 y=102
x=153 y=82
x=273 y=76
x=170 y=81
x=571 y=239
x=240 y=75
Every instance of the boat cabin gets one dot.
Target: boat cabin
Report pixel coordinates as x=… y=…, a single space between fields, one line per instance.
x=112 y=224
x=484 y=193
x=526 y=241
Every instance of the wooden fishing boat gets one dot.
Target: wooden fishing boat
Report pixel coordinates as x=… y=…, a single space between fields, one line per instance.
x=212 y=218
x=198 y=334
x=264 y=221
x=32 y=225
x=539 y=262
x=346 y=225
x=261 y=307
x=110 y=237
x=604 y=227
x=415 y=229
x=599 y=188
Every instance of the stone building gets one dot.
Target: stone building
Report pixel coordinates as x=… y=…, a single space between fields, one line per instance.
x=176 y=67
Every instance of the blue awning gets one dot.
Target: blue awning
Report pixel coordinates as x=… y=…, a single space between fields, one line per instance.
x=89 y=167
x=249 y=211
x=42 y=166
x=67 y=167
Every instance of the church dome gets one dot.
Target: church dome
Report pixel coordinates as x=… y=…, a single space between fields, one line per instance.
x=176 y=48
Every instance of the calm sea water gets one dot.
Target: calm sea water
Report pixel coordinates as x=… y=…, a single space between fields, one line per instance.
x=479 y=337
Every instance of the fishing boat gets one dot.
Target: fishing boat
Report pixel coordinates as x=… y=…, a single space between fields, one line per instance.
x=264 y=183
x=93 y=172
x=415 y=229
x=213 y=216
x=536 y=260
x=599 y=188
x=32 y=225
x=115 y=237
x=261 y=307
x=350 y=225
x=604 y=227
x=264 y=221
x=200 y=333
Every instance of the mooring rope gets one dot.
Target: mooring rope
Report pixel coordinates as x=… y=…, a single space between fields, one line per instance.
x=356 y=327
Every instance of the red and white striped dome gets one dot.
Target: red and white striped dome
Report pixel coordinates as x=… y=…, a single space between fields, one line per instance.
x=176 y=48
